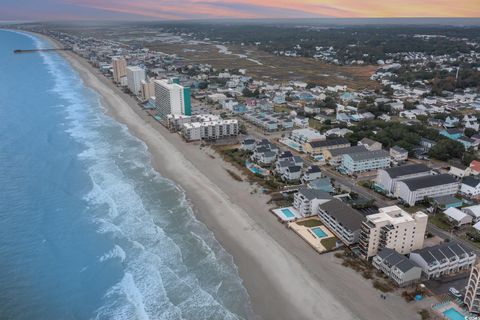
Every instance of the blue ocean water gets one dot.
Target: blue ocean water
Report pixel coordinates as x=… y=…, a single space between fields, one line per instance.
x=88 y=230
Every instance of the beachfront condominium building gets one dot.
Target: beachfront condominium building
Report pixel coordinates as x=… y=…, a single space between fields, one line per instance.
x=135 y=76
x=210 y=130
x=358 y=162
x=307 y=200
x=148 y=89
x=417 y=189
x=472 y=294
x=443 y=259
x=119 y=65
x=388 y=178
x=392 y=228
x=172 y=98
x=344 y=221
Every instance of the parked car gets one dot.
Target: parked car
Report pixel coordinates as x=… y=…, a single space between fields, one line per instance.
x=455 y=292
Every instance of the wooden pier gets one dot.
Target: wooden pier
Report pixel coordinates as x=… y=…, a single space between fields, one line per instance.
x=39 y=50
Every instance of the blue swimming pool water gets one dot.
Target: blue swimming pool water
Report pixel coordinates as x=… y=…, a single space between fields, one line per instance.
x=453 y=314
x=288 y=213
x=319 y=232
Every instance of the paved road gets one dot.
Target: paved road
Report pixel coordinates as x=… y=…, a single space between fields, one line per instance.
x=448 y=235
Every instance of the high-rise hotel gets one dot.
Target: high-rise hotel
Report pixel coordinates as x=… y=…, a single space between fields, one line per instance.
x=119 y=65
x=172 y=98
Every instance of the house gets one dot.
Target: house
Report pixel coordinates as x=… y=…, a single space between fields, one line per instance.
x=300 y=121
x=470 y=187
x=468 y=143
x=451 y=122
x=307 y=200
x=443 y=259
x=342 y=220
x=398 y=154
x=475 y=167
x=457 y=217
x=397 y=267
x=417 y=189
x=445 y=202
x=292 y=173
x=473 y=211
x=359 y=162
x=318 y=147
x=248 y=144
x=459 y=170
x=312 y=173
x=388 y=178
x=370 y=145
x=427 y=144
x=452 y=134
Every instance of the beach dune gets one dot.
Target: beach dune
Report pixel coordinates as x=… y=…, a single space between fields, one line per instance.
x=284 y=277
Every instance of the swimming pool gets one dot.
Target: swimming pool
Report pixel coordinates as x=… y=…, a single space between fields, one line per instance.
x=453 y=314
x=319 y=232
x=288 y=213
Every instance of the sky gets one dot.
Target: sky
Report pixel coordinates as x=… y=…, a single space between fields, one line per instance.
x=46 y=10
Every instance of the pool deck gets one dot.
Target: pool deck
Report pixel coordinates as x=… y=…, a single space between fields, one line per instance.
x=441 y=307
x=307 y=234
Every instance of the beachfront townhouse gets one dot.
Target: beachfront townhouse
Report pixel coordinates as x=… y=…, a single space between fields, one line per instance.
x=443 y=259
x=307 y=200
x=358 y=162
x=248 y=144
x=388 y=178
x=344 y=221
x=318 y=147
x=392 y=228
x=397 y=267
x=412 y=190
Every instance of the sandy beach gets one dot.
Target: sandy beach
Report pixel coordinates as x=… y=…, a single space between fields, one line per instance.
x=285 y=278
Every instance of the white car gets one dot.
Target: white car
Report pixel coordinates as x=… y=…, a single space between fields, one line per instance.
x=455 y=292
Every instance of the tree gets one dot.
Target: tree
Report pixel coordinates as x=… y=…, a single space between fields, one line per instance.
x=447 y=149
x=469 y=132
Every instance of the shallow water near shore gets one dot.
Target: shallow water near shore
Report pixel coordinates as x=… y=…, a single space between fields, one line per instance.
x=88 y=229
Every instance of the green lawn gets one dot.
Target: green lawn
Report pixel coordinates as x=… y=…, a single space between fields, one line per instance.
x=310 y=223
x=437 y=221
x=329 y=243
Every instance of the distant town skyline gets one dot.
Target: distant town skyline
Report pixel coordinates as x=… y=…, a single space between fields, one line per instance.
x=234 y=9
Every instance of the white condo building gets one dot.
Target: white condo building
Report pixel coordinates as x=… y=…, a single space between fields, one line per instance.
x=172 y=98
x=416 y=189
x=210 y=130
x=388 y=178
x=392 y=228
x=135 y=76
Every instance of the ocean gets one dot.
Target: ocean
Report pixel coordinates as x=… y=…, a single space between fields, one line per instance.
x=88 y=229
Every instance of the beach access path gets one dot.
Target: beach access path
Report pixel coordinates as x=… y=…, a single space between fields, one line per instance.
x=284 y=277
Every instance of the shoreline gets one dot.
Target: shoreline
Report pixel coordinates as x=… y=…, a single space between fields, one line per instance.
x=284 y=277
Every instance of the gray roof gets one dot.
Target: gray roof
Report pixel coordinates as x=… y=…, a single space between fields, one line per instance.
x=399 y=149
x=442 y=251
x=471 y=181
x=313 y=169
x=445 y=200
x=346 y=216
x=349 y=150
x=294 y=168
x=367 y=155
x=393 y=258
x=429 y=181
x=406 y=170
x=368 y=141
x=311 y=194
x=329 y=142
